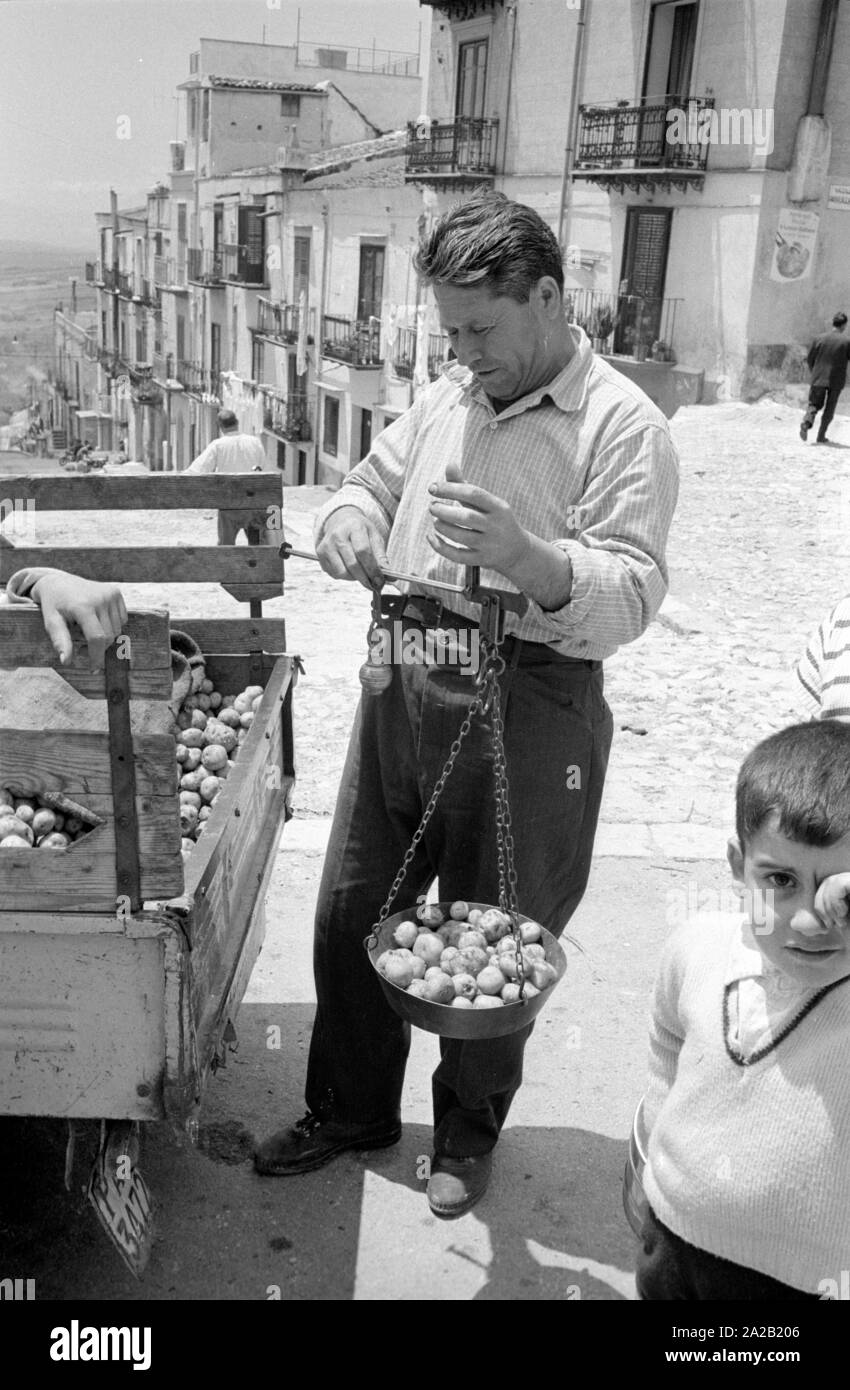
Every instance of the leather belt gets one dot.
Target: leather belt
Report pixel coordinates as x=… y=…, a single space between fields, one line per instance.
x=429 y=612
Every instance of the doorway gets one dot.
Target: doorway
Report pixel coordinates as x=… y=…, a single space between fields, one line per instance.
x=667 y=73
x=642 y=279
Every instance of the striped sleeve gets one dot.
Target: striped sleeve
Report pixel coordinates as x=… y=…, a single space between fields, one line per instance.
x=808 y=671
x=823 y=671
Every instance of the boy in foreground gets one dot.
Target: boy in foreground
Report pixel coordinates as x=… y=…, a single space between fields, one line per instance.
x=748 y=1107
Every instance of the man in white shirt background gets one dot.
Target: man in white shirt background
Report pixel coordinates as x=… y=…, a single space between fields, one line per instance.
x=235 y=452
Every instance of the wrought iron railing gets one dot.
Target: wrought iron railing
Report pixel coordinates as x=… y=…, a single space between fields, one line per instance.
x=282 y=321
x=357 y=342
x=109 y=281
x=124 y=284
x=205 y=267
x=404 y=353
x=629 y=325
x=438 y=353
x=289 y=415
x=198 y=380
x=464 y=146
x=386 y=61
x=664 y=134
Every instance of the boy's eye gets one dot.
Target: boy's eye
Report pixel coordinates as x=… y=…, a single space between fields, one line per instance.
x=780 y=880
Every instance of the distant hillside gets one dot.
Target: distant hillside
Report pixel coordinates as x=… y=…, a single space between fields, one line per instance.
x=33 y=280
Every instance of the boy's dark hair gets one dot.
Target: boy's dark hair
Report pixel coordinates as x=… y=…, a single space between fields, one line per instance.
x=493 y=243
x=839 y=320
x=801 y=774
x=227 y=420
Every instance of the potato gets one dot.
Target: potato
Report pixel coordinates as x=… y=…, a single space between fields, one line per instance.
x=203 y=703
x=206 y=686
x=193 y=738
x=6 y=799
x=181 y=753
x=15 y=842
x=191 y=799
x=213 y=757
x=193 y=759
x=247 y=719
x=199 y=719
x=251 y=692
x=188 y=818
x=73 y=825
x=204 y=813
x=216 y=732
x=184 y=719
x=191 y=781
x=241 y=704
x=230 y=717
x=25 y=810
x=209 y=788
x=12 y=825
x=186 y=845
x=55 y=840
x=215 y=699
x=43 y=822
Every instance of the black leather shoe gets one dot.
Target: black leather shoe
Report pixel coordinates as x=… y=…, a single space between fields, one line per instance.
x=804 y=430
x=456 y=1184
x=311 y=1142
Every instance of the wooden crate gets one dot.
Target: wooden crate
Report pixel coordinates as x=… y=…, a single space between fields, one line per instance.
x=140 y=999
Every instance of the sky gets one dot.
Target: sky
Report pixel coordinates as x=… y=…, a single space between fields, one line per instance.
x=72 y=69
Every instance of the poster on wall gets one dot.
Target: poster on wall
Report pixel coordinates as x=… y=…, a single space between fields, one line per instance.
x=794 y=245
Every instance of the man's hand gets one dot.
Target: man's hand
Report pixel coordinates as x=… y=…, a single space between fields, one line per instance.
x=474 y=527
x=97 y=609
x=352 y=548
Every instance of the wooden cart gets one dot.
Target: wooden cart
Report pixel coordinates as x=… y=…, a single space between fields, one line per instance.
x=122 y=966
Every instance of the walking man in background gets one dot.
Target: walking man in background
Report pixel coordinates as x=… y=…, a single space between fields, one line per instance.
x=234 y=452
x=827 y=361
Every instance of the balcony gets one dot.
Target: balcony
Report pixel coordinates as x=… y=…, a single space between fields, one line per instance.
x=205 y=267
x=92 y=273
x=625 y=325
x=288 y=416
x=439 y=353
x=356 y=342
x=168 y=273
x=109 y=280
x=282 y=321
x=622 y=146
x=453 y=152
x=198 y=380
x=404 y=353
x=229 y=263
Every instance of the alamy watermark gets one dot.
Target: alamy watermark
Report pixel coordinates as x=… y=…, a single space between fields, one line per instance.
x=696 y=124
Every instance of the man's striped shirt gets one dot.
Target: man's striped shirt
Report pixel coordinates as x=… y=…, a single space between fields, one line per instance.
x=586 y=462
x=824 y=669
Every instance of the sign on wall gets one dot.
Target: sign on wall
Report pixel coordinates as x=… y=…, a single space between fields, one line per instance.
x=794 y=245
x=839 y=196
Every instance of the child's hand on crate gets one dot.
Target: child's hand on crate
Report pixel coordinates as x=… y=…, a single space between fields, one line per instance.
x=97 y=609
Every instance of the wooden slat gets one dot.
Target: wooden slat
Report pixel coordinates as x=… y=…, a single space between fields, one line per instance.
x=23 y=642
x=230 y=674
x=82 y=877
x=76 y=762
x=234 y=634
x=159 y=492
x=250 y=565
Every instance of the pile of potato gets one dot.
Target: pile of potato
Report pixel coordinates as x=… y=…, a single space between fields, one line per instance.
x=26 y=822
x=211 y=727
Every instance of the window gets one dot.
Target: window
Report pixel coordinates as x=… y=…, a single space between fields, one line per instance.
x=330 y=425
x=191 y=112
x=252 y=246
x=670 y=51
x=290 y=104
x=371 y=284
x=205 y=114
x=301 y=265
x=215 y=348
x=471 y=78
x=181 y=221
x=257 y=359
x=181 y=339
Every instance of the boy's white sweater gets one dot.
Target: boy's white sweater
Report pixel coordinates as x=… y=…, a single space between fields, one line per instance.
x=749 y=1162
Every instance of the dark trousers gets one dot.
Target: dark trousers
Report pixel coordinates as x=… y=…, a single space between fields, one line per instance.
x=669 y=1268
x=823 y=398
x=557 y=738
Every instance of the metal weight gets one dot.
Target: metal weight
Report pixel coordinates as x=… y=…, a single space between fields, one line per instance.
x=375 y=674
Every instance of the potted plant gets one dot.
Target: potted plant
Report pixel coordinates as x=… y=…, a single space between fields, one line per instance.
x=661 y=351
x=639 y=335
x=603 y=321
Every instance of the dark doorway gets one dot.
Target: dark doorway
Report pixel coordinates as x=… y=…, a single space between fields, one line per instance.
x=642 y=278
x=371 y=284
x=302 y=468
x=365 y=434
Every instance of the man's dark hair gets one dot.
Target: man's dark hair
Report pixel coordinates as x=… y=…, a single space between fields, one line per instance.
x=801 y=775
x=839 y=320
x=493 y=243
x=227 y=420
